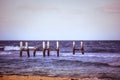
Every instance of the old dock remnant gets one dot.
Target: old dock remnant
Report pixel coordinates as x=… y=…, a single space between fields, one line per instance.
x=40 y=49
x=24 y=48
x=53 y=49
x=47 y=48
x=35 y=49
x=81 y=48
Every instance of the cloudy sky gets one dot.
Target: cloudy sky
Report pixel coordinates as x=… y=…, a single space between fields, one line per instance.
x=59 y=19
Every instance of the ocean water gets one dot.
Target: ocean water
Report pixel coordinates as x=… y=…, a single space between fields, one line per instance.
x=101 y=60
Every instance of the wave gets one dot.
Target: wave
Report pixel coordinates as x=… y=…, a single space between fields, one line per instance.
x=82 y=63
x=6 y=48
x=11 y=48
x=114 y=64
x=4 y=53
x=64 y=49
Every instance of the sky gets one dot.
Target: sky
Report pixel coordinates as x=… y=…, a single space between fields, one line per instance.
x=59 y=19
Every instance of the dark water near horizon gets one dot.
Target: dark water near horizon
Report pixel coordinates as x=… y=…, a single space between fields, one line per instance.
x=101 y=60
x=66 y=46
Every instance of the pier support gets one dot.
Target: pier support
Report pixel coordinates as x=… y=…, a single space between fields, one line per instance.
x=48 y=52
x=44 y=49
x=40 y=49
x=57 y=48
x=24 y=49
x=34 y=52
x=21 y=46
x=79 y=49
x=48 y=48
x=82 y=47
x=54 y=49
x=20 y=52
x=58 y=53
x=82 y=50
x=28 y=52
x=27 y=49
x=73 y=47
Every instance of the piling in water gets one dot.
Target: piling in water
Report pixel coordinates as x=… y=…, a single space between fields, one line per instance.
x=46 y=48
x=57 y=48
x=57 y=52
x=21 y=46
x=73 y=47
x=34 y=52
x=82 y=47
x=28 y=52
x=52 y=49
x=26 y=48
x=78 y=49
x=20 y=52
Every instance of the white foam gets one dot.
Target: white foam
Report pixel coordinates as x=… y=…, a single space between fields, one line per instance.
x=104 y=55
x=114 y=64
x=2 y=53
x=16 y=47
x=31 y=47
x=66 y=54
x=12 y=48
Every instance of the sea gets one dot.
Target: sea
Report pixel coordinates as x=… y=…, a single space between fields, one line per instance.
x=101 y=59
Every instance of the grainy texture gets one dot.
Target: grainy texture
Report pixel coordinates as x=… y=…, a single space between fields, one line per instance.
x=15 y=77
